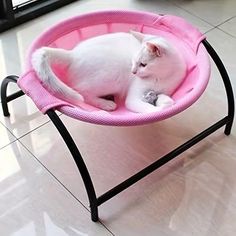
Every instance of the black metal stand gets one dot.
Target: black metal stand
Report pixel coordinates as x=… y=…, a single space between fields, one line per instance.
x=4 y=98
x=95 y=201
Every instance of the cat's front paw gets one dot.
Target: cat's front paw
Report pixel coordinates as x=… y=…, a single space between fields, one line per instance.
x=108 y=106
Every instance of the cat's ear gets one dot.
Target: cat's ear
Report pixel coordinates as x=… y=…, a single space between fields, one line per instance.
x=139 y=36
x=154 y=48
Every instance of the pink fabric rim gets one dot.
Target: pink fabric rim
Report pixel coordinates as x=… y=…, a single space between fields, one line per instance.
x=177 y=29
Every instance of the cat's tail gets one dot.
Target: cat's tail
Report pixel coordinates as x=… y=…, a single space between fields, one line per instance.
x=42 y=59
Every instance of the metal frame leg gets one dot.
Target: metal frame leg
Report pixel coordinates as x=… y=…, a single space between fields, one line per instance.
x=78 y=161
x=4 y=98
x=227 y=84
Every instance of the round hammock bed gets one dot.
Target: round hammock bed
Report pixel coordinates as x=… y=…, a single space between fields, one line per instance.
x=67 y=34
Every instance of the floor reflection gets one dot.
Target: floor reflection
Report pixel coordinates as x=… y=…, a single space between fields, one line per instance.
x=31 y=201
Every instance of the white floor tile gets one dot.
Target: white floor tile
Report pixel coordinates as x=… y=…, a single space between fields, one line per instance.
x=229 y=27
x=33 y=203
x=213 y=12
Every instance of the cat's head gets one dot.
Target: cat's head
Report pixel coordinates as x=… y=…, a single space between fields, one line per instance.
x=147 y=61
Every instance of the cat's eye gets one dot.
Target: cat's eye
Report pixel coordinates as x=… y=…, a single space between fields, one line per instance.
x=143 y=64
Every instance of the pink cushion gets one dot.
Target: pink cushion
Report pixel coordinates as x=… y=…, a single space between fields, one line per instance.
x=70 y=32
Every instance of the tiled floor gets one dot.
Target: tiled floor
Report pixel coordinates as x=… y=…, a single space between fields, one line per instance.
x=41 y=192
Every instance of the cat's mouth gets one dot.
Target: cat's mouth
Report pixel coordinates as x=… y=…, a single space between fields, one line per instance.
x=145 y=77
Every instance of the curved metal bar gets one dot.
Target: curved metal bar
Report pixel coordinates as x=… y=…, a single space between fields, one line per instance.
x=4 y=98
x=227 y=84
x=79 y=162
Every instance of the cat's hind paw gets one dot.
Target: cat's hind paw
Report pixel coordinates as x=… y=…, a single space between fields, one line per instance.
x=108 y=106
x=164 y=101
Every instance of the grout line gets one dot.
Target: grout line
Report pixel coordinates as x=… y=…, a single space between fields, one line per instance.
x=32 y=130
x=8 y=131
x=233 y=36
x=6 y=145
x=223 y=22
x=17 y=138
x=29 y=131
x=208 y=31
x=216 y=27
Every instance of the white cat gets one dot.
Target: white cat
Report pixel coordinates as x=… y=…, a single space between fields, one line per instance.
x=125 y=65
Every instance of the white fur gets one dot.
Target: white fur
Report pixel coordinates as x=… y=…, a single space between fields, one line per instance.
x=121 y=64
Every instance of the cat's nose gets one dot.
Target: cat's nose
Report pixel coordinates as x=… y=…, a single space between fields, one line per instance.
x=134 y=70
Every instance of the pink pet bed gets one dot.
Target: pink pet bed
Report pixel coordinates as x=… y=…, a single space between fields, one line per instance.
x=70 y=32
